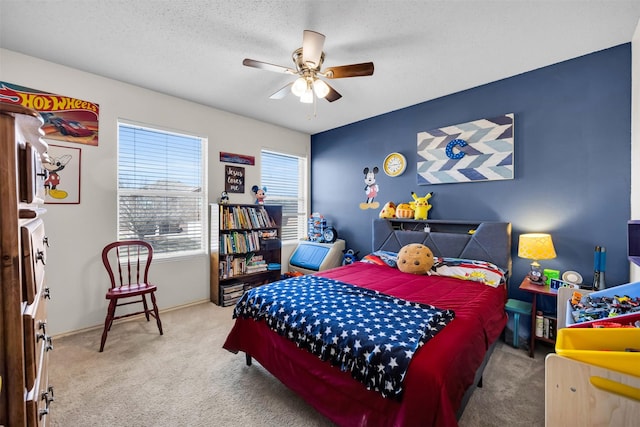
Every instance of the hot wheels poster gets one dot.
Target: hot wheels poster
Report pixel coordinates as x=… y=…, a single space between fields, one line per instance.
x=65 y=119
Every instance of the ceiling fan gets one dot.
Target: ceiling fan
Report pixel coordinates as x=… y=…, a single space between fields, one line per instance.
x=308 y=61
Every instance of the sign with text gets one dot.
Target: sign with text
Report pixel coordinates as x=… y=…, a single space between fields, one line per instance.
x=65 y=118
x=234 y=179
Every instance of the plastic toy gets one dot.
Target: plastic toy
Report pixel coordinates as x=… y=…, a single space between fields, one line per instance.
x=421 y=205
x=388 y=210
x=349 y=257
x=224 y=198
x=415 y=258
x=261 y=194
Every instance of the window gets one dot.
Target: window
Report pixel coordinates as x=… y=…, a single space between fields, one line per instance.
x=161 y=194
x=285 y=177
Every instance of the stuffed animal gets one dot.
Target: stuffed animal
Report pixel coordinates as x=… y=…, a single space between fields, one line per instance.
x=261 y=194
x=349 y=256
x=415 y=258
x=421 y=205
x=388 y=210
x=224 y=198
x=404 y=210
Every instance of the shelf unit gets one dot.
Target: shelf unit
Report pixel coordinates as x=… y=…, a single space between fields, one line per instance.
x=441 y=226
x=536 y=290
x=245 y=249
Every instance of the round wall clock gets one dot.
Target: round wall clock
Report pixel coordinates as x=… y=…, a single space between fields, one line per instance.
x=394 y=164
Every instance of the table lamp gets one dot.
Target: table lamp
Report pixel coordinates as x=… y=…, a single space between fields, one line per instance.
x=536 y=246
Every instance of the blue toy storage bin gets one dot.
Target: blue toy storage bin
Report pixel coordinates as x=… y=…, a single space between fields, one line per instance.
x=519 y=324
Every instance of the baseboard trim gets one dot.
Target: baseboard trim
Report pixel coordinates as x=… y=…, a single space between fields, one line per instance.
x=132 y=318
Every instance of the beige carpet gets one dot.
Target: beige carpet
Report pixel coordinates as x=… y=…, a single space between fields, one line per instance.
x=185 y=378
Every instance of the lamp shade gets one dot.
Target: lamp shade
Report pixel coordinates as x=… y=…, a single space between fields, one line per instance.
x=299 y=86
x=320 y=88
x=536 y=246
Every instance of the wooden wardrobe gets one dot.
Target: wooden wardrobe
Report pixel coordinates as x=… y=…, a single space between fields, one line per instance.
x=25 y=392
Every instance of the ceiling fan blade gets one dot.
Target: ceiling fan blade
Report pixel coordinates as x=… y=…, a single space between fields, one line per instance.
x=353 y=70
x=266 y=66
x=333 y=95
x=282 y=92
x=312 y=44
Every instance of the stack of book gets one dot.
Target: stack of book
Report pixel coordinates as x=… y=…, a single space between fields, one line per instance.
x=255 y=264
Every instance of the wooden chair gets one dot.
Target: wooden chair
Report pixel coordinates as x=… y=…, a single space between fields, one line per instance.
x=129 y=259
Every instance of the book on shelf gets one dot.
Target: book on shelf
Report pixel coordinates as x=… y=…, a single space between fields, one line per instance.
x=545 y=326
x=550 y=328
x=245 y=217
x=232 y=266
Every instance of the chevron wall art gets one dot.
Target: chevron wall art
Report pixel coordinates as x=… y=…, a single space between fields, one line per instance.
x=481 y=150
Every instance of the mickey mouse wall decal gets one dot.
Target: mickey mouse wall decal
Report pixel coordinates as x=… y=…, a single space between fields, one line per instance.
x=371 y=188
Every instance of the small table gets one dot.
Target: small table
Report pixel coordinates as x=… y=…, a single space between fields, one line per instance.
x=529 y=286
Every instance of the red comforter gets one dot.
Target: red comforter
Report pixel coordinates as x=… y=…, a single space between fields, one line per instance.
x=439 y=374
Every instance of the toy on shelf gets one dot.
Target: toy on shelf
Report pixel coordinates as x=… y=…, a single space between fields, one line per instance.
x=404 y=211
x=261 y=194
x=224 y=198
x=388 y=211
x=318 y=231
x=421 y=205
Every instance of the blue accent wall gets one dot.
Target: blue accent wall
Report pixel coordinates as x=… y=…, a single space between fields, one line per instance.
x=572 y=163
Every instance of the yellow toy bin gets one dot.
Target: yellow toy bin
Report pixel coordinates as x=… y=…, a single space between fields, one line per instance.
x=617 y=349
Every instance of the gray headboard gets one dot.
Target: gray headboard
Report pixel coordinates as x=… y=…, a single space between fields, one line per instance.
x=491 y=241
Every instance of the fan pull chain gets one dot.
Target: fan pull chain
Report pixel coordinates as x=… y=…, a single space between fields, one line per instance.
x=315 y=100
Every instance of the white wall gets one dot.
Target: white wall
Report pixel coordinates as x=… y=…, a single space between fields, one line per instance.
x=634 y=275
x=78 y=233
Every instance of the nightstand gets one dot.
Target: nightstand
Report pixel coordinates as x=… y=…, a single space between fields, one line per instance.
x=536 y=290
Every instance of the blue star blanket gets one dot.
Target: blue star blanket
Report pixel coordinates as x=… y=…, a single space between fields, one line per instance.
x=371 y=335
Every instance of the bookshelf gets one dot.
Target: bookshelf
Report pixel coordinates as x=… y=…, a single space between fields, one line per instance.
x=245 y=249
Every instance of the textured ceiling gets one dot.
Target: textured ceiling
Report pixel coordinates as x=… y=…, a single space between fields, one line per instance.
x=421 y=49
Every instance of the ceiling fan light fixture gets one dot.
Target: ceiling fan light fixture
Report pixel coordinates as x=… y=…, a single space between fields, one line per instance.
x=320 y=88
x=299 y=87
x=308 y=61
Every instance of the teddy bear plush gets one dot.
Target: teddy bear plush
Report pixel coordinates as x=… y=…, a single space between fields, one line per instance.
x=415 y=258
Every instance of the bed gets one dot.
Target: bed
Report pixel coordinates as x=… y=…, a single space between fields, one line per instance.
x=443 y=371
